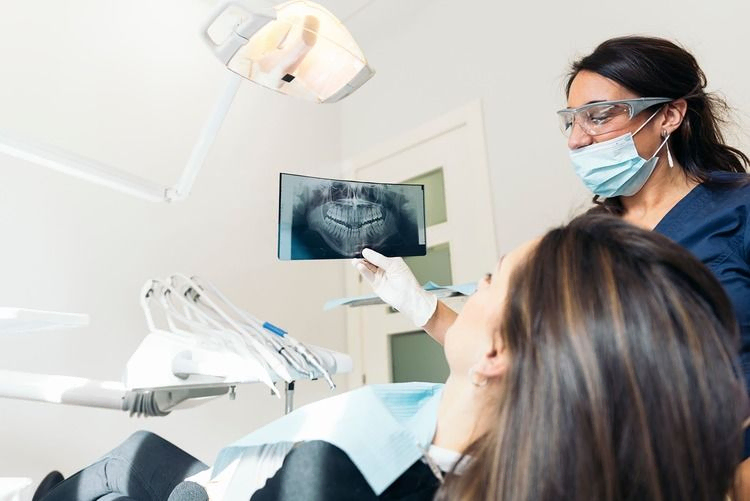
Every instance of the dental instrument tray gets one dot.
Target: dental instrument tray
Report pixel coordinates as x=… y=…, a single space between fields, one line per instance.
x=204 y=348
x=335 y=219
x=21 y=320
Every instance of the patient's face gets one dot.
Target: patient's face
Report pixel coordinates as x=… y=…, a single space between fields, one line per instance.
x=476 y=329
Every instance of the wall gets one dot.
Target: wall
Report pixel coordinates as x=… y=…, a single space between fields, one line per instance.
x=433 y=56
x=130 y=84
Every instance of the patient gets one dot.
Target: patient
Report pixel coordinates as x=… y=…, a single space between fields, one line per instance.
x=596 y=365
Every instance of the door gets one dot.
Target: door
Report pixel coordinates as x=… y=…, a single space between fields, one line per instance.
x=448 y=156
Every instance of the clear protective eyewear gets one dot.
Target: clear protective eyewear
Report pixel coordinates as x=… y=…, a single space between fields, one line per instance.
x=605 y=116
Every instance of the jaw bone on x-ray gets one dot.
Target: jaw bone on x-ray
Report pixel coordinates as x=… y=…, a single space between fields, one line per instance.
x=332 y=219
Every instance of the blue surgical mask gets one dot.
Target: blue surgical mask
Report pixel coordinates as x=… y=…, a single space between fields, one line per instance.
x=613 y=168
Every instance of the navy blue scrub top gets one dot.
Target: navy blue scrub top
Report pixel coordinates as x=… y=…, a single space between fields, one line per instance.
x=713 y=222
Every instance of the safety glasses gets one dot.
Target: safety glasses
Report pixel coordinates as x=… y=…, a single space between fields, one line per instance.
x=605 y=116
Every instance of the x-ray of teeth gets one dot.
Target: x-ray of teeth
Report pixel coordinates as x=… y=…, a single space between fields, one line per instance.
x=334 y=219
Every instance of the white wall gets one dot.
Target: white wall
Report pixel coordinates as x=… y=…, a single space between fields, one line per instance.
x=432 y=56
x=130 y=84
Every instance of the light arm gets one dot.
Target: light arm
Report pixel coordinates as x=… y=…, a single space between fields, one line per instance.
x=118 y=179
x=181 y=190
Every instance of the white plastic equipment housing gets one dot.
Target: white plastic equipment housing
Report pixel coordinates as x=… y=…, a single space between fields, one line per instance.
x=18 y=320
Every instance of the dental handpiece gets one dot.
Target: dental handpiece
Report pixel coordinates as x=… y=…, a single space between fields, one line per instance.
x=288 y=356
x=303 y=350
x=262 y=350
x=313 y=360
x=255 y=325
x=251 y=323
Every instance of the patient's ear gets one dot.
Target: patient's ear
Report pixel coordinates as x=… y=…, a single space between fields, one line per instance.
x=495 y=362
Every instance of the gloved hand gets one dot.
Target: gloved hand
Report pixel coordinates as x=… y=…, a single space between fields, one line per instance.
x=394 y=282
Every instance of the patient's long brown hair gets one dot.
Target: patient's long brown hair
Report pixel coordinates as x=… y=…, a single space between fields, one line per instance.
x=622 y=384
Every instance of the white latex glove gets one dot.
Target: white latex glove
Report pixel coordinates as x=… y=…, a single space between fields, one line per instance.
x=393 y=281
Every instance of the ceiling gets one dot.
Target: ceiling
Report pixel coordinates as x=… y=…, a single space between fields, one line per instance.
x=346 y=9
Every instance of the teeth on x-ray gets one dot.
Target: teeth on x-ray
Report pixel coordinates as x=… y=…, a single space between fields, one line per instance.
x=337 y=219
x=362 y=217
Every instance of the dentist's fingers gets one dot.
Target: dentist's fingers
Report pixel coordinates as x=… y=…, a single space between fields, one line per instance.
x=366 y=263
x=366 y=273
x=377 y=258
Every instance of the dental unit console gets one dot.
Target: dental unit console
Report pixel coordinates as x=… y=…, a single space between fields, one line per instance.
x=207 y=347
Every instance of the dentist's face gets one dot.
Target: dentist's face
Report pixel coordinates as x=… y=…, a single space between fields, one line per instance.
x=589 y=87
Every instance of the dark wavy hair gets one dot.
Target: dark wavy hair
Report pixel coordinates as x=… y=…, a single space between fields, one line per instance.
x=655 y=67
x=622 y=383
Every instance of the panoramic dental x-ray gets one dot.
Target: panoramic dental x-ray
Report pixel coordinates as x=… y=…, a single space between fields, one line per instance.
x=333 y=219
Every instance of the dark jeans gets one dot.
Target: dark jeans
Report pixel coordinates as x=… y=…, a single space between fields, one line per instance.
x=147 y=468
x=319 y=471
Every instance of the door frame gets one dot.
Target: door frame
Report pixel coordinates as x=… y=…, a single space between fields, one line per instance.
x=471 y=118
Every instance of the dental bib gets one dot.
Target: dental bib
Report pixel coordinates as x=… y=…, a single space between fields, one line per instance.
x=384 y=429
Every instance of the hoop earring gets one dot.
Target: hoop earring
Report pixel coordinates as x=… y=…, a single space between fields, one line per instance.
x=480 y=382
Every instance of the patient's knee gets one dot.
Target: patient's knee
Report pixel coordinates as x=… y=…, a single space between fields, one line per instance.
x=316 y=471
x=143 y=435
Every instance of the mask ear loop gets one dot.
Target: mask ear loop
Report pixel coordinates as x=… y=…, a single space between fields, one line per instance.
x=646 y=122
x=663 y=134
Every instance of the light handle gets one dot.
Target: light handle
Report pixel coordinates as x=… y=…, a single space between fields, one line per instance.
x=241 y=33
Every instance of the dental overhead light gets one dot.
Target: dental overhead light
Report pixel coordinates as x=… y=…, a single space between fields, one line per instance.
x=302 y=50
x=296 y=48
